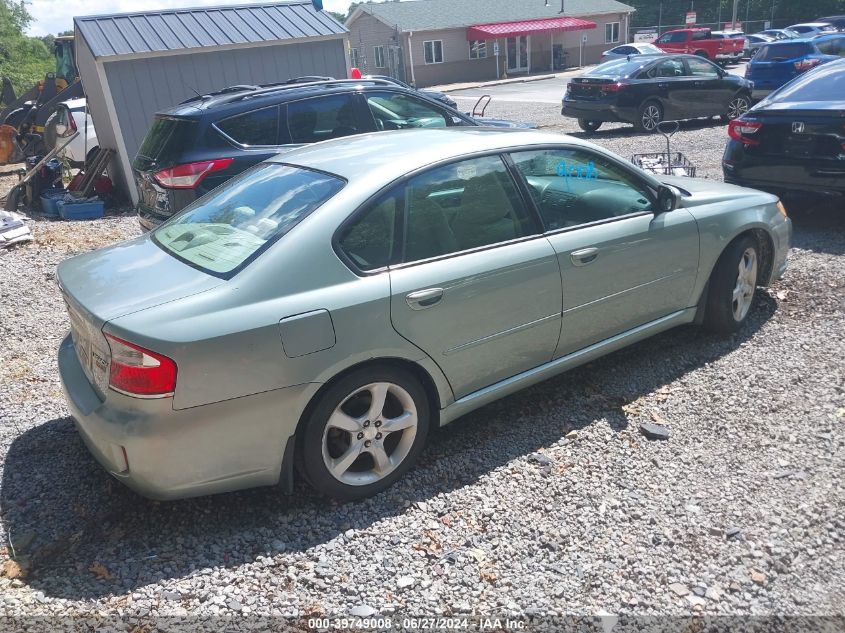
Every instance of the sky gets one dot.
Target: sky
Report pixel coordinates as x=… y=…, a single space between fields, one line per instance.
x=55 y=16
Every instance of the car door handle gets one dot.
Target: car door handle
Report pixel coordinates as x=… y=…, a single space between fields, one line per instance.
x=422 y=299
x=584 y=256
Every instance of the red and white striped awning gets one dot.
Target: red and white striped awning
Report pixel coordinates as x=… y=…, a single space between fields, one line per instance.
x=527 y=27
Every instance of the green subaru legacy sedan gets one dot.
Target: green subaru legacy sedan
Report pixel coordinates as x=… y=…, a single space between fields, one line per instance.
x=323 y=311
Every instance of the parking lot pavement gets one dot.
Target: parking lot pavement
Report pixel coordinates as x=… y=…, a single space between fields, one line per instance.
x=548 y=501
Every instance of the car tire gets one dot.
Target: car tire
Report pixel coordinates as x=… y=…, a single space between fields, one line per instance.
x=589 y=126
x=343 y=449
x=649 y=115
x=732 y=286
x=738 y=105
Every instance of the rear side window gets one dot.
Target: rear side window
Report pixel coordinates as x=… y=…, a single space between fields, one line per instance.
x=782 y=52
x=319 y=119
x=372 y=240
x=224 y=230
x=700 y=35
x=832 y=46
x=166 y=140
x=259 y=127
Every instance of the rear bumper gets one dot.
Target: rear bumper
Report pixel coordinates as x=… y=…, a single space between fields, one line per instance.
x=163 y=453
x=780 y=174
x=597 y=112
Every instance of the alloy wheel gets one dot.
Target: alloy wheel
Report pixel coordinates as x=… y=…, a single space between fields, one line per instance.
x=370 y=433
x=737 y=107
x=746 y=283
x=651 y=117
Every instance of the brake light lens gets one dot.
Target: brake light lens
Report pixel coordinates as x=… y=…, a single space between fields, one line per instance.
x=72 y=121
x=806 y=64
x=189 y=175
x=617 y=87
x=136 y=371
x=741 y=131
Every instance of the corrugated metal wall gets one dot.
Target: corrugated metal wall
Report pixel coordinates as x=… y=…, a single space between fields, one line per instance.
x=141 y=87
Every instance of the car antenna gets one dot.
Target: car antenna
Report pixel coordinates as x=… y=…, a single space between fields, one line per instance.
x=194 y=91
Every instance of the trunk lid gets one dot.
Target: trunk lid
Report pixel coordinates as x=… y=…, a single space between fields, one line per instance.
x=816 y=134
x=112 y=282
x=590 y=88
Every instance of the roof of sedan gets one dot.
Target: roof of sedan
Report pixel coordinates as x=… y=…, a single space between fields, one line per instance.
x=395 y=153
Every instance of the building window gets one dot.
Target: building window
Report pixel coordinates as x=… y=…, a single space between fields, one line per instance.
x=611 y=33
x=378 y=53
x=477 y=49
x=355 y=57
x=433 y=51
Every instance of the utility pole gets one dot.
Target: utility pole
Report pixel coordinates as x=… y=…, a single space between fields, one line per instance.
x=719 y=16
x=659 y=18
x=733 y=18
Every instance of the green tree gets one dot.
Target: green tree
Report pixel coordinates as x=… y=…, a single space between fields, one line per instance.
x=23 y=59
x=780 y=12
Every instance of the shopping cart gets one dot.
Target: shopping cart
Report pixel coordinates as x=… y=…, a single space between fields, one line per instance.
x=666 y=163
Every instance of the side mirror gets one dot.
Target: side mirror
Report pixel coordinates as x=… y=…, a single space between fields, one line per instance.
x=667 y=199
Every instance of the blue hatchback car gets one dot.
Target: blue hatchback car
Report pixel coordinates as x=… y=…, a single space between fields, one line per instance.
x=777 y=63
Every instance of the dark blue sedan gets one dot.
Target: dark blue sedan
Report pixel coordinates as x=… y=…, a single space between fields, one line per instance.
x=647 y=89
x=779 y=62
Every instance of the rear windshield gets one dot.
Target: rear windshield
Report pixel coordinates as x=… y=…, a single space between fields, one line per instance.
x=821 y=84
x=165 y=140
x=223 y=231
x=782 y=52
x=619 y=67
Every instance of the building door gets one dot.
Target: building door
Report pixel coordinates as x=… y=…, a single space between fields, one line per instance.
x=517 y=50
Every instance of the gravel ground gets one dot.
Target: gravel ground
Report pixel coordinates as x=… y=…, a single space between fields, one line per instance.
x=547 y=502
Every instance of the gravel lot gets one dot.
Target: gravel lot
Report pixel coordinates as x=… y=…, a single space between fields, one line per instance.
x=547 y=502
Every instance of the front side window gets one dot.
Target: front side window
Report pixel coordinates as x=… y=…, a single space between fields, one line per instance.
x=477 y=49
x=378 y=54
x=572 y=187
x=702 y=68
x=259 y=127
x=832 y=46
x=433 y=51
x=314 y=120
x=611 y=32
x=396 y=111
x=463 y=205
x=224 y=230
x=671 y=38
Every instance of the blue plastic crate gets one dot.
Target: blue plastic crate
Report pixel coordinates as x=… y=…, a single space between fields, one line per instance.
x=49 y=198
x=80 y=210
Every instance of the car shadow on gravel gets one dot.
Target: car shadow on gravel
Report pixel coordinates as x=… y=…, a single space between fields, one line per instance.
x=627 y=131
x=818 y=223
x=85 y=536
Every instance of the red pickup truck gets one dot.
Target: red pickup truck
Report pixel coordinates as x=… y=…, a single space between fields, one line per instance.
x=703 y=43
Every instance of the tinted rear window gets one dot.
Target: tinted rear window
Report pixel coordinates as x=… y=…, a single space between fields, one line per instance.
x=258 y=127
x=782 y=52
x=617 y=68
x=226 y=229
x=166 y=140
x=822 y=84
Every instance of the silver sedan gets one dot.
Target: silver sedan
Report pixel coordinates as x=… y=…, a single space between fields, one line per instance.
x=323 y=311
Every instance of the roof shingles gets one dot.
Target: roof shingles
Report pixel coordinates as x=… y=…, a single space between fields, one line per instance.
x=431 y=15
x=153 y=31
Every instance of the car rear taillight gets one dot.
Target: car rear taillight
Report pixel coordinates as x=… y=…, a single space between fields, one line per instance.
x=189 y=175
x=136 y=371
x=806 y=64
x=72 y=122
x=617 y=87
x=740 y=130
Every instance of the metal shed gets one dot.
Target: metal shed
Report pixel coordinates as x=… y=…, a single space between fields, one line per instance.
x=135 y=64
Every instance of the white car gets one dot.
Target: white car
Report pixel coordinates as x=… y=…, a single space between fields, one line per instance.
x=71 y=116
x=623 y=50
x=809 y=29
